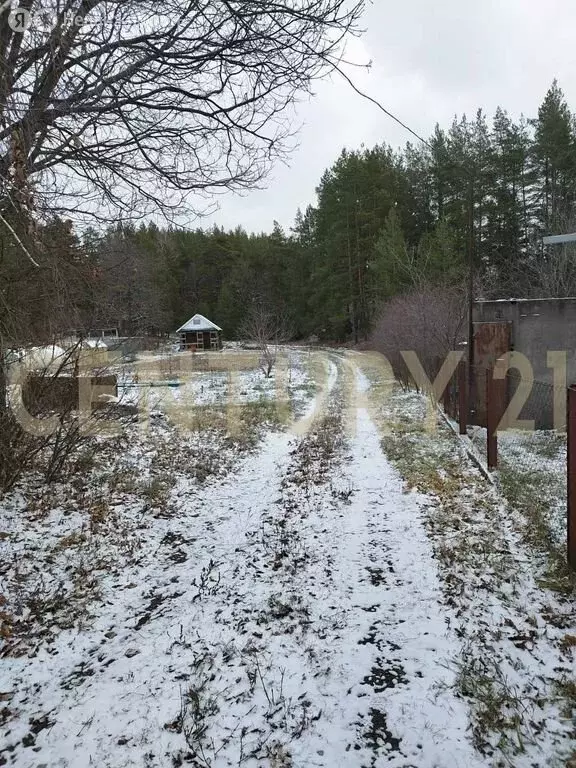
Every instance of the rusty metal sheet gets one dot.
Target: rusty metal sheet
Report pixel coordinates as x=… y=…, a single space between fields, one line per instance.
x=491 y=341
x=571 y=426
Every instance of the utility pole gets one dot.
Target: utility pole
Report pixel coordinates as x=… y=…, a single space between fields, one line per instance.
x=470 y=294
x=352 y=310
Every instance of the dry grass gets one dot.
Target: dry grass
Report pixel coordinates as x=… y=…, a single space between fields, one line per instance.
x=185 y=365
x=532 y=478
x=531 y=492
x=95 y=522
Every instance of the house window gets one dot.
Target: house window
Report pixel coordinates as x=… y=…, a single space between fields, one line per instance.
x=196 y=321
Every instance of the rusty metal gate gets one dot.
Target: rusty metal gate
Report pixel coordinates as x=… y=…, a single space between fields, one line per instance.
x=491 y=341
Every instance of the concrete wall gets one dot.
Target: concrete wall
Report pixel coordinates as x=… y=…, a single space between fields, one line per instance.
x=538 y=326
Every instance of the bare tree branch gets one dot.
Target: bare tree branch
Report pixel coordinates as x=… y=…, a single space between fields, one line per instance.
x=267 y=328
x=130 y=106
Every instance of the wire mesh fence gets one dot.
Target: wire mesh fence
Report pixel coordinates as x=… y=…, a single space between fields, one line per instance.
x=519 y=427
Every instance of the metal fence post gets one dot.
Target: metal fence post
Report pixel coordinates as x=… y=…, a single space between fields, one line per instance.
x=492 y=418
x=446 y=397
x=571 y=475
x=462 y=397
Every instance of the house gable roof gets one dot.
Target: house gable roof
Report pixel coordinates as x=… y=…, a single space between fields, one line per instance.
x=199 y=323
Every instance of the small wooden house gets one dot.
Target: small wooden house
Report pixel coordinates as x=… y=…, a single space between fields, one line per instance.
x=200 y=334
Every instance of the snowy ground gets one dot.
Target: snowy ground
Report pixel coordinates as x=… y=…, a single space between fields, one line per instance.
x=532 y=466
x=181 y=380
x=267 y=593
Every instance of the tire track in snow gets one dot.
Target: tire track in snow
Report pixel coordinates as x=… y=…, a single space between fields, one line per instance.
x=111 y=692
x=346 y=659
x=397 y=646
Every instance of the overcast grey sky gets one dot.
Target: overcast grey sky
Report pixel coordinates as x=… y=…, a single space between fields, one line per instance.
x=431 y=60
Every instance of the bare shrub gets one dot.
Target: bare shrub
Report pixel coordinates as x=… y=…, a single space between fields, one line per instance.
x=18 y=450
x=64 y=446
x=266 y=328
x=42 y=426
x=429 y=321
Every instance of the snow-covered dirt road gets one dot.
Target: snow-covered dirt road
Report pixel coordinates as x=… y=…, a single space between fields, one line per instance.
x=289 y=614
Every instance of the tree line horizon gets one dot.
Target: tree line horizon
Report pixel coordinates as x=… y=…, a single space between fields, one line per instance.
x=386 y=223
